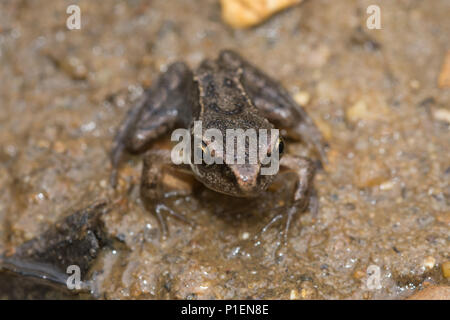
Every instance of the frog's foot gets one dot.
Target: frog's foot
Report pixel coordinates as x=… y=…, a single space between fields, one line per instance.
x=153 y=190
x=160 y=208
x=288 y=213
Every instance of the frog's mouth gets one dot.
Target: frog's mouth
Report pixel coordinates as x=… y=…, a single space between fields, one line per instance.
x=237 y=180
x=235 y=193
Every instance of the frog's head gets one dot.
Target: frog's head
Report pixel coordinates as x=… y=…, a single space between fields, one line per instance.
x=245 y=163
x=238 y=150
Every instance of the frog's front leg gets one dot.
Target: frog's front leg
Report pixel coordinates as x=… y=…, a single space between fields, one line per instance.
x=274 y=101
x=153 y=191
x=167 y=103
x=304 y=168
x=304 y=193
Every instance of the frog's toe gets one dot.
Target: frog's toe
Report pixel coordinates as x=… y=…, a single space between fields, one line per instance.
x=288 y=213
x=160 y=208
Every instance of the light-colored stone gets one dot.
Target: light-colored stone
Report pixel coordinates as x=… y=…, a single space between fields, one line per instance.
x=247 y=13
x=446 y=269
x=294 y=295
x=302 y=97
x=442 y=115
x=429 y=262
x=444 y=76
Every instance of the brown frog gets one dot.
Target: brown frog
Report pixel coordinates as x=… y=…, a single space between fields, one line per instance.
x=225 y=93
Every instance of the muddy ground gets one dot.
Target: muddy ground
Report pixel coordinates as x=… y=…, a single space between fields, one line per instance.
x=384 y=196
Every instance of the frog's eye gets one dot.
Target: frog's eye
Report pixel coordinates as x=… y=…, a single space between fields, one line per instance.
x=205 y=153
x=204 y=147
x=280 y=146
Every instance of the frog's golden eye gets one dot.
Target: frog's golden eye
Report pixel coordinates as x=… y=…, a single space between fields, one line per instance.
x=278 y=148
x=204 y=147
x=206 y=152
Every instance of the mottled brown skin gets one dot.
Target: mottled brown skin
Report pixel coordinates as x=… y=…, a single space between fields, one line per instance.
x=227 y=93
x=224 y=104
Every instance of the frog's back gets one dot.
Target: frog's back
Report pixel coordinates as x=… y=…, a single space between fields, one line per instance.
x=224 y=103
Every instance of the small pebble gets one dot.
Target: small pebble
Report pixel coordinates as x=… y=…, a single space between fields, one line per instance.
x=302 y=98
x=307 y=293
x=103 y=183
x=367 y=295
x=294 y=295
x=444 y=76
x=59 y=147
x=388 y=185
x=446 y=269
x=247 y=13
x=245 y=235
x=415 y=84
x=429 y=262
x=358 y=274
x=442 y=115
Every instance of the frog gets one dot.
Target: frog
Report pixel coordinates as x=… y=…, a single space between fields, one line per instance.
x=222 y=93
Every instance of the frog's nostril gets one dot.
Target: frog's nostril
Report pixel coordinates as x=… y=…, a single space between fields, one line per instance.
x=246 y=176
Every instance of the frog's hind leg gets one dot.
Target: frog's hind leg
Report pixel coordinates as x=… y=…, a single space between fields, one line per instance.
x=273 y=100
x=156 y=164
x=168 y=102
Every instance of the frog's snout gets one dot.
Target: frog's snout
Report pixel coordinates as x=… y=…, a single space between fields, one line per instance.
x=247 y=177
